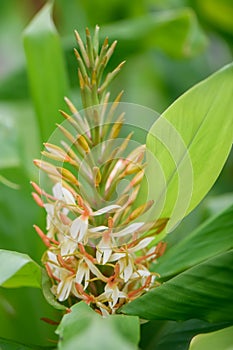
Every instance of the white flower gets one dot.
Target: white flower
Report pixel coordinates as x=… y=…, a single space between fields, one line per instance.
x=50 y=215
x=104 y=249
x=132 y=228
x=68 y=246
x=64 y=287
x=143 y=273
x=112 y=292
x=142 y=244
x=62 y=194
x=83 y=272
x=79 y=226
x=126 y=268
x=126 y=257
x=107 y=243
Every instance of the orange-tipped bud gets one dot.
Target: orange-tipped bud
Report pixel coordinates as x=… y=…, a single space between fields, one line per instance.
x=37 y=199
x=42 y=236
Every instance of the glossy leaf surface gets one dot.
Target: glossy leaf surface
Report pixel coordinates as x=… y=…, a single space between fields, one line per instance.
x=203 y=292
x=84 y=329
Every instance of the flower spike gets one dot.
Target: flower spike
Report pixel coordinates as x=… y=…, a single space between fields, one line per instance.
x=98 y=246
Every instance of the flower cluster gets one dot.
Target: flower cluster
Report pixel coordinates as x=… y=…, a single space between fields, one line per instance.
x=98 y=249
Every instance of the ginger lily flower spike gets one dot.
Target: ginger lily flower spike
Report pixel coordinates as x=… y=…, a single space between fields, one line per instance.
x=98 y=249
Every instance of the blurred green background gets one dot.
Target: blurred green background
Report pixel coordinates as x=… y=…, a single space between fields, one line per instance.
x=169 y=46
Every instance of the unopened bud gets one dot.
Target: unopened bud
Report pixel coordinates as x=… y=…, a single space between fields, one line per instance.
x=139 y=211
x=83 y=143
x=97 y=176
x=67 y=175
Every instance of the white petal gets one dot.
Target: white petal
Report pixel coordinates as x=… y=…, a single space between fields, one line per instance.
x=83 y=230
x=49 y=209
x=52 y=257
x=130 y=229
x=116 y=256
x=98 y=256
x=83 y=272
x=95 y=270
x=50 y=215
x=141 y=273
x=144 y=243
x=122 y=295
x=127 y=272
x=104 y=249
x=68 y=197
x=87 y=278
x=115 y=295
x=80 y=273
x=104 y=243
x=65 y=211
x=106 y=209
x=106 y=255
x=64 y=288
x=104 y=312
x=79 y=228
x=98 y=229
x=62 y=194
x=68 y=246
x=75 y=227
x=57 y=191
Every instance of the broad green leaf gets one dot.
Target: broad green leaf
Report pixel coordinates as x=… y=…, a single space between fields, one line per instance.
x=189 y=144
x=19 y=307
x=84 y=329
x=14 y=86
x=202 y=292
x=218 y=203
x=222 y=339
x=210 y=239
x=218 y=13
x=18 y=270
x=46 y=69
x=23 y=309
x=176 y=32
x=112 y=10
x=9 y=151
x=6 y=344
x=17 y=122
x=171 y=335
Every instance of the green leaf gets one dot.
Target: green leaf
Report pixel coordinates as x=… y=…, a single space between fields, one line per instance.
x=6 y=344
x=19 y=307
x=14 y=86
x=46 y=69
x=16 y=123
x=210 y=239
x=49 y=296
x=18 y=270
x=189 y=145
x=176 y=32
x=170 y=335
x=84 y=329
x=214 y=341
x=8 y=137
x=203 y=292
x=216 y=204
x=218 y=13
